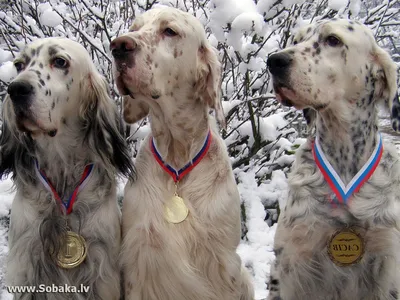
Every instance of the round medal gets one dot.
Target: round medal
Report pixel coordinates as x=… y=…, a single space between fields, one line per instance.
x=73 y=251
x=346 y=247
x=175 y=210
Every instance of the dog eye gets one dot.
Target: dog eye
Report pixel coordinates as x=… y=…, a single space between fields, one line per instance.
x=60 y=63
x=19 y=65
x=333 y=41
x=169 y=32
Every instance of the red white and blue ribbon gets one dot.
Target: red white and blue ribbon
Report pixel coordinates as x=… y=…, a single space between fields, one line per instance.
x=341 y=191
x=65 y=206
x=177 y=175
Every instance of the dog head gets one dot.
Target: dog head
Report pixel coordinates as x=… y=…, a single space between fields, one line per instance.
x=58 y=94
x=49 y=85
x=333 y=63
x=163 y=58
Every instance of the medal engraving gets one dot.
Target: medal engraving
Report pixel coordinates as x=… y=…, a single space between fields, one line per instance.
x=175 y=210
x=73 y=251
x=346 y=247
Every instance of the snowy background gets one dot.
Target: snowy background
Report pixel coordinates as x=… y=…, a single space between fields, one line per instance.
x=261 y=135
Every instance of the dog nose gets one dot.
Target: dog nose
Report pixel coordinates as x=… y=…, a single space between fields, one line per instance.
x=278 y=63
x=20 y=91
x=121 y=46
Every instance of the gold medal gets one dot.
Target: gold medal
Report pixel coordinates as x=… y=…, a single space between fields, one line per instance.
x=346 y=247
x=175 y=210
x=73 y=251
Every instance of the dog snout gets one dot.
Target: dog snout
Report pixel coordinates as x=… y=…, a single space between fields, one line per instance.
x=279 y=63
x=121 y=46
x=20 y=92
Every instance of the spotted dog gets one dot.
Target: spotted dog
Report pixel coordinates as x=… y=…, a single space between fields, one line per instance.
x=181 y=217
x=61 y=143
x=338 y=236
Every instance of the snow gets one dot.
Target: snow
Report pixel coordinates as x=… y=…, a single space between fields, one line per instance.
x=228 y=105
x=264 y=5
x=268 y=130
x=251 y=22
x=269 y=126
x=7 y=71
x=355 y=7
x=6 y=19
x=337 y=4
x=256 y=64
x=5 y=56
x=246 y=130
x=43 y=7
x=50 y=18
x=248 y=21
x=93 y=9
x=6 y=196
x=213 y=40
x=257 y=251
x=32 y=24
x=6 y=296
x=225 y=11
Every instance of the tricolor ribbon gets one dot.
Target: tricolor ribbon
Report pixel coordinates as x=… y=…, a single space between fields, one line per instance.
x=177 y=175
x=66 y=206
x=343 y=192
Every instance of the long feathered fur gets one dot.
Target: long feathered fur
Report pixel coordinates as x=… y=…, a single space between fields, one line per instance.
x=348 y=77
x=87 y=127
x=195 y=259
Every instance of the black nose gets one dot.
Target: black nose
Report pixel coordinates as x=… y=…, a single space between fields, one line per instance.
x=121 y=46
x=20 y=91
x=278 y=63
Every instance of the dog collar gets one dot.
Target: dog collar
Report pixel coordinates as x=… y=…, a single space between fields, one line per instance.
x=341 y=191
x=177 y=175
x=65 y=206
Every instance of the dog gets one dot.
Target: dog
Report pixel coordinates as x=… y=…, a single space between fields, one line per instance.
x=61 y=142
x=166 y=68
x=338 y=236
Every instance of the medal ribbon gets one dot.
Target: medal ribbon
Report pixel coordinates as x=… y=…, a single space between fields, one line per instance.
x=179 y=174
x=66 y=206
x=343 y=192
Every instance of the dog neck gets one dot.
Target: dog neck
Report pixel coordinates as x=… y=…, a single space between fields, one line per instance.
x=179 y=132
x=348 y=141
x=63 y=157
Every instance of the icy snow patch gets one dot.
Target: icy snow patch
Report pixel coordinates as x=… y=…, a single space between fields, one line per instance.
x=7 y=71
x=249 y=21
x=50 y=18
x=355 y=6
x=337 y=4
x=6 y=195
x=5 y=56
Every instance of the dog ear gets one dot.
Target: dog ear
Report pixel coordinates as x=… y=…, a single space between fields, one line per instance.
x=16 y=148
x=8 y=147
x=208 y=82
x=134 y=109
x=103 y=128
x=384 y=72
